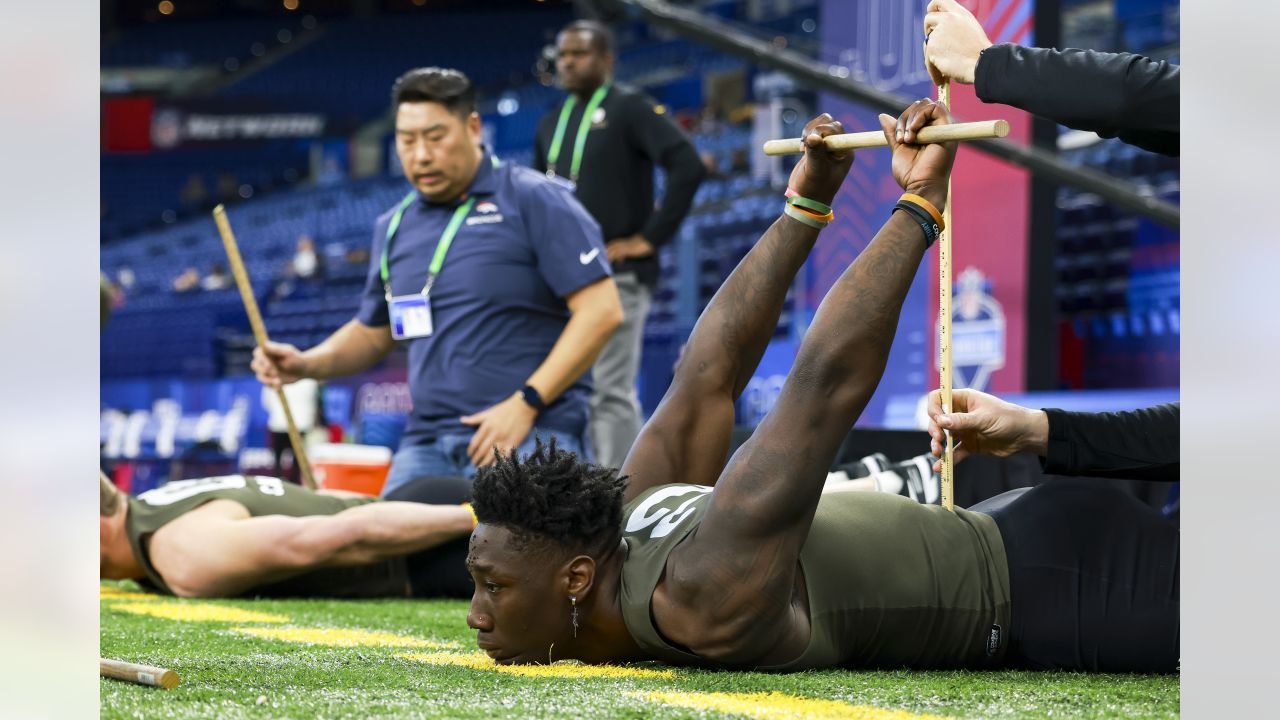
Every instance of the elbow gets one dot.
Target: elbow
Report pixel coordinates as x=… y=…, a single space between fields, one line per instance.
x=690 y=166
x=613 y=318
x=192 y=584
x=609 y=314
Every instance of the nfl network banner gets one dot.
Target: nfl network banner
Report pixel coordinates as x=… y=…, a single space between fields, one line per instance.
x=880 y=42
x=173 y=126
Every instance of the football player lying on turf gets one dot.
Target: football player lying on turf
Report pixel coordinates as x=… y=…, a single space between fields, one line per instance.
x=255 y=536
x=762 y=570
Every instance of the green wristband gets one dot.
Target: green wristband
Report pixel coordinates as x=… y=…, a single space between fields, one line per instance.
x=807 y=204
x=798 y=215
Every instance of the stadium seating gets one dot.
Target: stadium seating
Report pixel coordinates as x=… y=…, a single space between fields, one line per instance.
x=1118 y=276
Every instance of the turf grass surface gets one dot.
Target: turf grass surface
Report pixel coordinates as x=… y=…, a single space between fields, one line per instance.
x=414 y=658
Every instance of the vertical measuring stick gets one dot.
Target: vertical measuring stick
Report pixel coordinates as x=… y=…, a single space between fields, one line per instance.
x=944 y=325
x=260 y=335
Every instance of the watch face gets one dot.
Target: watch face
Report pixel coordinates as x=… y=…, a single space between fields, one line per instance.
x=532 y=398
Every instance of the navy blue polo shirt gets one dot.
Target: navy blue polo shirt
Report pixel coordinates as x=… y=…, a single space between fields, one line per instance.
x=498 y=303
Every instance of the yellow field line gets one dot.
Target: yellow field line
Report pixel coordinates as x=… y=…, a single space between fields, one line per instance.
x=196 y=612
x=341 y=637
x=775 y=706
x=480 y=661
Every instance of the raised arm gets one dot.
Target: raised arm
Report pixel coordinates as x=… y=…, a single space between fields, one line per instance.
x=737 y=573
x=687 y=438
x=217 y=550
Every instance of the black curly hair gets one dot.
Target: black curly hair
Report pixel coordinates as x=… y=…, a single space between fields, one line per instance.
x=552 y=495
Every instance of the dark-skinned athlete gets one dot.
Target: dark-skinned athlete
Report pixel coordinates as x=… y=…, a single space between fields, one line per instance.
x=746 y=564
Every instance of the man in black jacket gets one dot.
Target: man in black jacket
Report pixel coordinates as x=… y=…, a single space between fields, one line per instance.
x=605 y=140
x=1135 y=445
x=1112 y=94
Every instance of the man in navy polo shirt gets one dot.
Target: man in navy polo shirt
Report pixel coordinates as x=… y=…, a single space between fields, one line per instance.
x=494 y=276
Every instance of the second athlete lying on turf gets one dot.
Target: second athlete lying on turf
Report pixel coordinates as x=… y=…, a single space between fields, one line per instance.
x=256 y=536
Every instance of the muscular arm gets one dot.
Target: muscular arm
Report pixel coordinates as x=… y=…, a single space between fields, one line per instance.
x=218 y=550
x=687 y=438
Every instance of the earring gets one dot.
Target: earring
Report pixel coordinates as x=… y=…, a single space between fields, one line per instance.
x=573 y=602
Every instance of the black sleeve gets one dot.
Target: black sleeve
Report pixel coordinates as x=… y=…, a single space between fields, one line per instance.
x=1119 y=95
x=658 y=137
x=540 y=142
x=1135 y=445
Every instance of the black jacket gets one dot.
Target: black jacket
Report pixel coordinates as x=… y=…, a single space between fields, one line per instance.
x=1135 y=445
x=615 y=181
x=1112 y=94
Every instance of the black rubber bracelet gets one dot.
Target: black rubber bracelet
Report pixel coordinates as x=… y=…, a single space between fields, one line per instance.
x=533 y=398
x=923 y=219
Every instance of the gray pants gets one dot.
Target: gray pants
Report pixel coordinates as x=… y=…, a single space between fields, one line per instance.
x=615 y=404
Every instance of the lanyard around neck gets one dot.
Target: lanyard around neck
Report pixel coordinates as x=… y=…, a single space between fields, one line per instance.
x=579 y=141
x=442 y=247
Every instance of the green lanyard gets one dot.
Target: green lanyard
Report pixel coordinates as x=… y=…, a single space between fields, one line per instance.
x=580 y=141
x=442 y=247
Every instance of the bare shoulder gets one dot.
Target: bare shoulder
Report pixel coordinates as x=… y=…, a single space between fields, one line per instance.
x=195 y=528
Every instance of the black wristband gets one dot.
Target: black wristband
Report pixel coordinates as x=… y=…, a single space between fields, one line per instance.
x=922 y=218
x=533 y=398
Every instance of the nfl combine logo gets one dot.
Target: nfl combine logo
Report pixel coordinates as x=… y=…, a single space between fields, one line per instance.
x=977 y=332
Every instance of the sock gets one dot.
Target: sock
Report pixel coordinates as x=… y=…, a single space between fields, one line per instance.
x=838 y=476
x=888 y=482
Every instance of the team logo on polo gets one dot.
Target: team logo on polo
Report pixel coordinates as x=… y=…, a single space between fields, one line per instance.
x=486 y=213
x=977 y=332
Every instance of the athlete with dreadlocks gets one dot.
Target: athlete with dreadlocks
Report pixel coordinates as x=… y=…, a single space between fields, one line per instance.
x=747 y=564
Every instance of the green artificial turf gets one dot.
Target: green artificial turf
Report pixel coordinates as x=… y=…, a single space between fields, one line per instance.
x=230 y=675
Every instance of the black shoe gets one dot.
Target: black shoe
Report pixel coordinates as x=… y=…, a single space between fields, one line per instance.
x=867 y=466
x=920 y=482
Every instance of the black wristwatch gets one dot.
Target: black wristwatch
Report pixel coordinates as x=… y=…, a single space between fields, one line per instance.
x=531 y=396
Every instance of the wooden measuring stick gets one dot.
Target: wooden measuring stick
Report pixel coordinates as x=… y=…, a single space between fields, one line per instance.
x=140 y=674
x=944 y=324
x=260 y=335
x=931 y=134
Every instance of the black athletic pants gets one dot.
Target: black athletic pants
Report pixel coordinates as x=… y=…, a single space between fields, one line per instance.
x=440 y=571
x=1093 y=577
